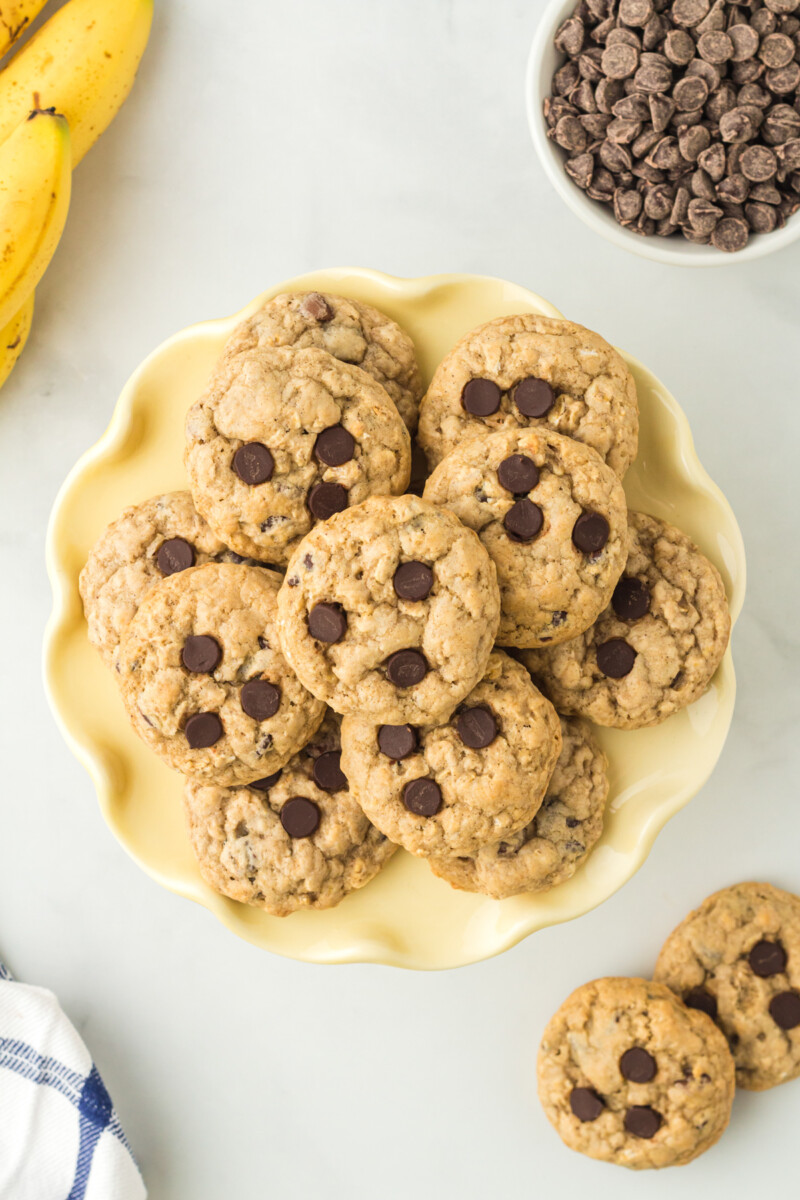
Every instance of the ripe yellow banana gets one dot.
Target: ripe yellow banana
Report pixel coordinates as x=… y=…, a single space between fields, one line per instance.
x=35 y=180
x=82 y=62
x=15 y=17
x=14 y=337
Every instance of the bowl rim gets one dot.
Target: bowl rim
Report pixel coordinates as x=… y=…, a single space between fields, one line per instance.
x=683 y=253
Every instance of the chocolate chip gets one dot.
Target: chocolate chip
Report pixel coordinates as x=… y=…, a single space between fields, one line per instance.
x=260 y=699
x=745 y=42
x=777 y=50
x=518 y=474
x=300 y=817
x=481 y=397
x=253 y=463
x=767 y=958
x=637 y=1065
x=619 y=61
x=523 y=521
x=422 y=797
x=569 y=36
x=327 y=622
x=325 y=499
x=785 y=1009
x=406 y=668
x=590 y=532
x=175 y=554
x=690 y=92
x=585 y=1103
x=642 y=1121
x=715 y=47
x=315 y=307
x=534 y=397
x=334 y=446
x=413 y=581
x=703 y=1000
x=264 y=785
x=730 y=234
x=679 y=47
x=631 y=598
x=689 y=12
x=570 y=135
x=635 y=12
x=397 y=741
x=203 y=730
x=615 y=658
x=328 y=773
x=476 y=727
x=201 y=654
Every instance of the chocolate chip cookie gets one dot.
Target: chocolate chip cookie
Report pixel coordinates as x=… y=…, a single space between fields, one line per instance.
x=285 y=438
x=551 y=515
x=553 y=845
x=629 y=1075
x=452 y=788
x=656 y=646
x=204 y=680
x=737 y=958
x=526 y=372
x=390 y=609
x=349 y=330
x=295 y=839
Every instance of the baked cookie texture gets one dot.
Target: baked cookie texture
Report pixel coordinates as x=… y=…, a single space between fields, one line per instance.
x=485 y=791
x=245 y=852
x=629 y=1075
x=130 y=556
x=550 y=589
x=737 y=957
x=201 y=650
x=281 y=400
x=347 y=329
x=347 y=569
x=671 y=615
x=549 y=850
x=590 y=391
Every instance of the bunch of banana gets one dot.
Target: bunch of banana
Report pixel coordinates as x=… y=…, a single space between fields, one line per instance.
x=58 y=93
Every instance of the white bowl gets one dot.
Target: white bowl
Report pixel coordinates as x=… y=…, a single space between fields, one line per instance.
x=543 y=61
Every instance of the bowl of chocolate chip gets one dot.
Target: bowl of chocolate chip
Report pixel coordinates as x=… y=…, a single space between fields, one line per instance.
x=672 y=127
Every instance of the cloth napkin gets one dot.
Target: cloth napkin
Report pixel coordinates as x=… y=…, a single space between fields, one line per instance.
x=60 y=1138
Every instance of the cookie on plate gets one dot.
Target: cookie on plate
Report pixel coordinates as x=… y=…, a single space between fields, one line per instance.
x=553 y=845
x=551 y=515
x=349 y=330
x=391 y=609
x=523 y=371
x=285 y=438
x=452 y=788
x=655 y=648
x=204 y=680
x=737 y=958
x=296 y=839
x=629 y=1075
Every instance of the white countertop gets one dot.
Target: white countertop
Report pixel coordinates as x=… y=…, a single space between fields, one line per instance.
x=262 y=140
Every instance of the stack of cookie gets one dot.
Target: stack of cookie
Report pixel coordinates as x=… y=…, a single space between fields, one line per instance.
x=333 y=662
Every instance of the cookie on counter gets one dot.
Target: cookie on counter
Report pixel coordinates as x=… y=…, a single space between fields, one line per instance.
x=349 y=330
x=293 y=840
x=529 y=371
x=551 y=515
x=283 y=439
x=390 y=609
x=737 y=958
x=656 y=647
x=629 y=1075
x=452 y=788
x=204 y=680
x=549 y=850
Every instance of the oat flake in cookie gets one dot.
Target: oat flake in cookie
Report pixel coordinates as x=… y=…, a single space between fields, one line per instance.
x=294 y=840
x=283 y=439
x=349 y=330
x=451 y=788
x=553 y=845
x=204 y=680
x=551 y=515
x=391 y=609
x=629 y=1075
x=737 y=958
x=655 y=648
x=522 y=371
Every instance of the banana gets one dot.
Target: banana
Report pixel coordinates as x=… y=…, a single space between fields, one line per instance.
x=14 y=337
x=15 y=18
x=82 y=62
x=35 y=181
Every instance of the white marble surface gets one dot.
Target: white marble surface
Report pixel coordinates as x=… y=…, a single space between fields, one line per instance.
x=264 y=139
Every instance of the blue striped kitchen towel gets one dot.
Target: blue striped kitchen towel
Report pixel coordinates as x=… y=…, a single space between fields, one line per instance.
x=60 y=1138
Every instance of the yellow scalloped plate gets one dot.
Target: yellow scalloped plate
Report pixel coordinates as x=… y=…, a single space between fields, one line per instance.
x=405 y=917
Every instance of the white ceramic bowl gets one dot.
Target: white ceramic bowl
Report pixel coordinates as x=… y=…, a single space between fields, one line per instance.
x=543 y=61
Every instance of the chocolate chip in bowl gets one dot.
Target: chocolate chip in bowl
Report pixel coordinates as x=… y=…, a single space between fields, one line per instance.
x=675 y=122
